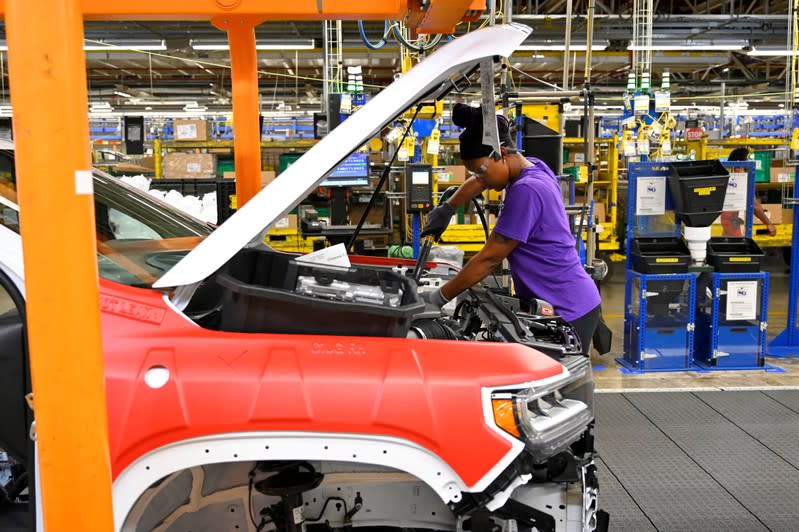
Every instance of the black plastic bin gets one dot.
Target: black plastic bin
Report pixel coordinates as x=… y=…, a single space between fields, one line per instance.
x=734 y=255
x=698 y=189
x=260 y=294
x=659 y=256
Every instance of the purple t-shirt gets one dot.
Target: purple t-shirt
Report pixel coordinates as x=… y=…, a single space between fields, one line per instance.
x=545 y=263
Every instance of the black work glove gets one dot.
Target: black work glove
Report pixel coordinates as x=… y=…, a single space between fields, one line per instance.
x=437 y=221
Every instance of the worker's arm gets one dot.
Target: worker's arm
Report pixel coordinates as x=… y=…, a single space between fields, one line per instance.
x=469 y=189
x=761 y=215
x=437 y=220
x=494 y=252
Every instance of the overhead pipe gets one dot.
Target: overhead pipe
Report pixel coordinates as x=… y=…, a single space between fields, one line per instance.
x=566 y=44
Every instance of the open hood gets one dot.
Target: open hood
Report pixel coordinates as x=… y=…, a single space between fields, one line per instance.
x=429 y=79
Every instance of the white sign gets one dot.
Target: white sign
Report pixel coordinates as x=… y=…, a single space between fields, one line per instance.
x=641 y=104
x=741 y=300
x=628 y=147
x=735 y=200
x=650 y=197
x=662 y=101
x=434 y=142
x=643 y=146
x=186 y=131
x=332 y=256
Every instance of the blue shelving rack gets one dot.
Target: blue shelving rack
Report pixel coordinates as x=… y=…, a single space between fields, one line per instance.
x=786 y=343
x=723 y=341
x=659 y=310
x=661 y=321
x=659 y=318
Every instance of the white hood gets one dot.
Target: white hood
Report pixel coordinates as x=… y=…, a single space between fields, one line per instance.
x=430 y=78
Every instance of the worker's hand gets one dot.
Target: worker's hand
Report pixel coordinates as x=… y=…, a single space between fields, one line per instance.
x=437 y=220
x=434 y=298
x=771 y=229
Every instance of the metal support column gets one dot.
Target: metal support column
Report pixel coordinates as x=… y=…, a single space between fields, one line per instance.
x=244 y=73
x=48 y=88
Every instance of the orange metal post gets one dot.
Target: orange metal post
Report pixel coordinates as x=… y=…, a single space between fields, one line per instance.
x=48 y=90
x=244 y=75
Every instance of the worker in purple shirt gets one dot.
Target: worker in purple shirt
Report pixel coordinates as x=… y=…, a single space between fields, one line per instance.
x=532 y=230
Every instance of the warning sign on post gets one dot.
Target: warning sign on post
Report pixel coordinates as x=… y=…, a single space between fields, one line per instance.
x=650 y=197
x=742 y=300
x=735 y=199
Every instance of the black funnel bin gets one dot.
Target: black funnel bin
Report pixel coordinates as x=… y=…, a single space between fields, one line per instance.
x=698 y=189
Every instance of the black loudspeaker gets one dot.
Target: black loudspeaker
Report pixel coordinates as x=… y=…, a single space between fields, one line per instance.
x=319 y=125
x=574 y=128
x=6 y=128
x=333 y=111
x=544 y=143
x=134 y=135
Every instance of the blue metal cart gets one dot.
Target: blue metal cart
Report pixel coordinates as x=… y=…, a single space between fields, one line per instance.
x=731 y=320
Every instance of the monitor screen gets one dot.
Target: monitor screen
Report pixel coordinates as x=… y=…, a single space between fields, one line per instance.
x=351 y=172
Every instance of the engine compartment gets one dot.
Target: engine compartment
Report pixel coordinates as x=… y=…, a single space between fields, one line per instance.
x=261 y=290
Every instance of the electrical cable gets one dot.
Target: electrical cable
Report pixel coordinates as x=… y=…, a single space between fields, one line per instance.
x=367 y=42
x=382 y=181
x=416 y=48
x=324 y=507
x=481 y=215
x=251 y=476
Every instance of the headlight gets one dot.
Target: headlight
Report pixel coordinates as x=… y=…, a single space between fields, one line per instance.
x=551 y=417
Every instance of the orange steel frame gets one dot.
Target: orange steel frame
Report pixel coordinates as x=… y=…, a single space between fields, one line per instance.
x=48 y=87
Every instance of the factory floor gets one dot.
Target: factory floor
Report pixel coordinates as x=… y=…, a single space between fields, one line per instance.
x=698 y=451
x=609 y=374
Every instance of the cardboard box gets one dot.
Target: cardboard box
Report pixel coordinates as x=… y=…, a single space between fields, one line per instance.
x=773 y=211
x=599 y=212
x=287 y=222
x=267 y=176
x=787 y=216
x=190 y=129
x=189 y=165
x=782 y=175
x=376 y=215
x=452 y=174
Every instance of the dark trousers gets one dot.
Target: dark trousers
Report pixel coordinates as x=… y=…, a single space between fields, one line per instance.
x=585 y=326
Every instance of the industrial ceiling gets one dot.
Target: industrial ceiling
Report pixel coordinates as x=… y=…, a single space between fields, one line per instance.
x=293 y=79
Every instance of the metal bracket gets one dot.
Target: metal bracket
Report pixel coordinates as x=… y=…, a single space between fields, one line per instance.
x=690 y=327
x=763 y=325
x=489 y=105
x=645 y=356
x=717 y=353
x=650 y=294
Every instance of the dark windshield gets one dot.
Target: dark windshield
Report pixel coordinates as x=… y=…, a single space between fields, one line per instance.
x=138 y=236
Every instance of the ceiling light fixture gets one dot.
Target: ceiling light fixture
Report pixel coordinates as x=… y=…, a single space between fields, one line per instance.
x=100 y=107
x=193 y=107
x=260 y=44
x=767 y=51
x=123 y=94
x=691 y=46
x=112 y=45
x=551 y=45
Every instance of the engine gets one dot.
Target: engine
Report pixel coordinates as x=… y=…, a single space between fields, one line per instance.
x=482 y=314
